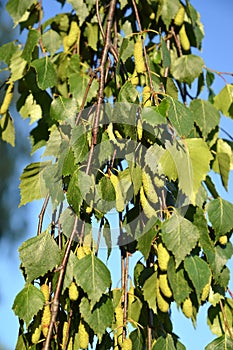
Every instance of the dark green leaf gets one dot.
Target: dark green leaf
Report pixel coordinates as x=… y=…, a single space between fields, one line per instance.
x=70 y=268
x=178 y=282
x=45 y=72
x=187 y=68
x=152 y=117
x=198 y=271
x=18 y=8
x=74 y=196
x=144 y=242
x=63 y=108
x=28 y=302
x=98 y=317
x=79 y=143
x=222 y=343
x=51 y=41
x=67 y=221
x=205 y=115
x=128 y=93
x=165 y=54
x=149 y=291
x=166 y=343
x=98 y=280
x=220 y=215
x=180 y=117
x=39 y=255
x=32 y=40
x=180 y=236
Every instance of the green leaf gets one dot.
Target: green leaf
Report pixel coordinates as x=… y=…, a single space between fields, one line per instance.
x=7 y=51
x=63 y=108
x=100 y=317
x=164 y=343
x=39 y=255
x=67 y=221
x=187 y=68
x=168 y=10
x=17 y=66
x=92 y=35
x=32 y=41
x=74 y=196
x=17 y=9
x=7 y=129
x=51 y=41
x=198 y=271
x=222 y=343
x=145 y=240
x=180 y=236
x=28 y=302
x=45 y=73
x=216 y=319
x=81 y=9
x=180 y=117
x=165 y=54
x=32 y=185
x=149 y=291
x=224 y=100
x=152 y=117
x=31 y=109
x=128 y=93
x=79 y=143
x=205 y=115
x=53 y=183
x=178 y=282
x=222 y=162
x=220 y=215
x=98 y=280
x=71 y=266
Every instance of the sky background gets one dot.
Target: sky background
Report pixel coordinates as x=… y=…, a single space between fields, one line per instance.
x=217 y=53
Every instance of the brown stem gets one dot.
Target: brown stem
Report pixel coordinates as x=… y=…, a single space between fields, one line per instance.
x=41 y=215
x=230 y=292
x=99 y=19
x=177 y=41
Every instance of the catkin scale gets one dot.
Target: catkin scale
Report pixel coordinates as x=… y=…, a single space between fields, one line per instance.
x=179 y=18
x=36 y=335
x=146 y=101
x=83 y=336
x=7 y=99
x=120 y=205
x=80 y=252
x=164 y=286
x=223 y=240
x=149 y=187
x=163 y=257
x=138 y=57
x=127 y=344
x=45 y=290
x=163 y=305
x=73 y=291
x=146 y=207
x=187 y=307
x=45 y=321
x=64 y=334
x=184 y=40
x=206 y=291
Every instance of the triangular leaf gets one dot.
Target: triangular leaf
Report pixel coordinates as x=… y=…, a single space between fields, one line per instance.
x=149 y=291
x=100 y=316
x=180 y=116
x=39 y=255
x=187 y=68
x=98 y=280
x=180 y=236
x=220 y=215
x=17 y=8
x=222 y=343
x=28 y=302
x=45 y=72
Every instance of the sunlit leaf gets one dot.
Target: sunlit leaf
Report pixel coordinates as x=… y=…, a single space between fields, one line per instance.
x=17 y=8
x=220 y=215
x=187 y=68
x=28 y=302
x=45 y=72
x=224 y=100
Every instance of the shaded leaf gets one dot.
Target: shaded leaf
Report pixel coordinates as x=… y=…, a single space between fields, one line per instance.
x=165 y=54
x=165 y=343
x=178 y=282
x=198 y=271
x=149 y=291
x=32 y=41
x=81 y=9
x=216 y=320
x=69 y=275
x=67 y=221
x=45 y=73
x=98 y=317
x=180 y=236
x=28 y=302
x=187 y=68
x=17 y=9
x=222 y=162
x=51 y=41
x=205 y=115
x=180 y=116
x=79 y=143
x=39 y=255
x=168 y=10
x=98 y=280
x=128 y=93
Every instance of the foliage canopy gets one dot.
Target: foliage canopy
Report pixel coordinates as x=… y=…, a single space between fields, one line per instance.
x=113 y=91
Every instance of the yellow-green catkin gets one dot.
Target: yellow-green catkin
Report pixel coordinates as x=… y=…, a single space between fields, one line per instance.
x=138 y=57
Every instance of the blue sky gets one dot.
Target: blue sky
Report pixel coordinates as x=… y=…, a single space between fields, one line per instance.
x=218 y=54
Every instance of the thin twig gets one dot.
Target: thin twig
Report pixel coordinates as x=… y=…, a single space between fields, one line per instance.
x=177 y=41
x=126 y=271
x=99 y=19
x=230 y=292
x=41 y=215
